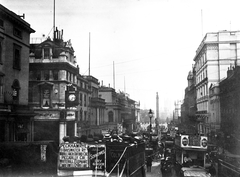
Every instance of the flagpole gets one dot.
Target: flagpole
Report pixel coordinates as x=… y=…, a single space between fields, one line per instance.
x=89 y=55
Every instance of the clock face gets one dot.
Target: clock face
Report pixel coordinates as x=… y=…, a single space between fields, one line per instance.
x=71 y=97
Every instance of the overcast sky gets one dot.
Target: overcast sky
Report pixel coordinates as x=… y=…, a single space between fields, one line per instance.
x=152 y=43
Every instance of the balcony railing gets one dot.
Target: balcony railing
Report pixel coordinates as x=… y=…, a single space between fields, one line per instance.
x=54 y=60
x=203 y=98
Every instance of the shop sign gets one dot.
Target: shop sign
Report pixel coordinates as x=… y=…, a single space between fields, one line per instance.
x=70 y=115
x=97 y=156
x=47 y=115
x=73 y=155
x=43 y=152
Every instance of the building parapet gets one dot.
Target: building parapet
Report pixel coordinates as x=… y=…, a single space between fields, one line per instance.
x=54 y=60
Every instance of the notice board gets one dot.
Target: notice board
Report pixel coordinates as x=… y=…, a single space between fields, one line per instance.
x=73 y=155
x=81 y=156
x=97 y=156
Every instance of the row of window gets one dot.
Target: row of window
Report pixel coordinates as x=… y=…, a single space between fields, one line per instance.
x=44 y=75
x=201 y=76
x=202 y=91
x=201 y=61
x=83 y=117
x=49 y=53
x=47 y=98
x=203 y=106
x=56 y=75
x=16 y=31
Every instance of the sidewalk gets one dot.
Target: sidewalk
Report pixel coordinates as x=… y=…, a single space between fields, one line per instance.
x=156 y=171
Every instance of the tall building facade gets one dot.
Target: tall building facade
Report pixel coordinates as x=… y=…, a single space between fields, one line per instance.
x=214 y=113
x=96 y=107
x=177 y=110
x=15 y=114
x=54 y=85
x=122 y=113
x=230 y=112
x=217 y=51
x=188 y=107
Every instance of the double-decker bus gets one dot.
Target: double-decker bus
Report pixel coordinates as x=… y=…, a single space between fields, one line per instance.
x=190 y=155
x=115 y=157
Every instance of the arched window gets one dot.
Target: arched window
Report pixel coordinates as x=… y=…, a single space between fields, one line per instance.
x=110 y=116
x=15 y=91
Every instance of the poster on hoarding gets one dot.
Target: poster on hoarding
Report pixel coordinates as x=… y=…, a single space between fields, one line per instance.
x=43 y=148
x=97 y=156
x=194 y=140
x=73 y=155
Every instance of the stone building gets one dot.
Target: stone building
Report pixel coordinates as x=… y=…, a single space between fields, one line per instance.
x=217 y=51
x=113 y=108
x=230 y=109
x=96 y=108
x=188 y=108
x=15 y=115
x=214 y=113
x=122 y=113
x=56 y=89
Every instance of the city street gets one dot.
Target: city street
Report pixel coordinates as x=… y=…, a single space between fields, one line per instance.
x=156 y=171
x=59 y=119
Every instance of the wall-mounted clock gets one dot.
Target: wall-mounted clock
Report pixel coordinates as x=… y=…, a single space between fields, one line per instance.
x=72 y=97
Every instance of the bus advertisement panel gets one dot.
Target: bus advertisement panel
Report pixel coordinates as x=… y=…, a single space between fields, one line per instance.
x=97 y=156
x=81 y=159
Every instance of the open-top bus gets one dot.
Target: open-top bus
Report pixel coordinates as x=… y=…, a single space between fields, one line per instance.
x=190 y=154
x=115 y=157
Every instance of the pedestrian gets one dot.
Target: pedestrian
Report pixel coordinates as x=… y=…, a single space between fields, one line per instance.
x=212 y=170
x=149 y=163
x=187 y=161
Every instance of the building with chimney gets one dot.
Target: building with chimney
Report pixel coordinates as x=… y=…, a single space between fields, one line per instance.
x=16 y=117
x=217 y=51
x=214 y=113
x=230 y=112
x=57 y=93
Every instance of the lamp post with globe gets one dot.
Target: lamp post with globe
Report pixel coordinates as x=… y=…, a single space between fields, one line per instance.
x=150 y=114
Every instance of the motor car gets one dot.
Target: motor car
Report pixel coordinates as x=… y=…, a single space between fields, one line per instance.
x=167 y=164
x=194 y=171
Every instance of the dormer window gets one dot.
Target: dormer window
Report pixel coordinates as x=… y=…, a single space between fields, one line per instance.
x=46 y=53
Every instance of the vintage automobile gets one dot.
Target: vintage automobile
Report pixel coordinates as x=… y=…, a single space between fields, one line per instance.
x=194 y=171
x=167 y=164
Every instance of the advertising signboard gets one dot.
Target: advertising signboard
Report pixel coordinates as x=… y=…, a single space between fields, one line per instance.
x=79 y=156
x=97 y=156
x=73 y=155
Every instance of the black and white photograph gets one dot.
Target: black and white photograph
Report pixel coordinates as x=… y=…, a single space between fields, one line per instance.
x=119 y=88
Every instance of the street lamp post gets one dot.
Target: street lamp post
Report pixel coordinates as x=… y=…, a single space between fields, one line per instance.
x=150 y=113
